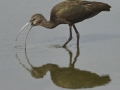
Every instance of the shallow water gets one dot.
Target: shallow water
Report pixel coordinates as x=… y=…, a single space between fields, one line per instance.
x=47 y=66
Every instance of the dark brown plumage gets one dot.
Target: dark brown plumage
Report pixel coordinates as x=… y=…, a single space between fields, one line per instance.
x=68 y=12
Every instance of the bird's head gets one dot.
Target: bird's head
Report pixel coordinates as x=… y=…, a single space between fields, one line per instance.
x=36 y=19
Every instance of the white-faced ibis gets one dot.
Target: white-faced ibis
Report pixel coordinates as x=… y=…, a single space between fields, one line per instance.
x=68 y=12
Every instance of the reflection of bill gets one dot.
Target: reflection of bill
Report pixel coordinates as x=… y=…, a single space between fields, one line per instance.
x=68 y=77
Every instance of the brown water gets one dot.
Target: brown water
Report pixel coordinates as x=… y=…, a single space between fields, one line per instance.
x=47 y=66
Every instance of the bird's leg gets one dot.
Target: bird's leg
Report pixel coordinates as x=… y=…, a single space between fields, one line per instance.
x=77 y=34
x=70 y=36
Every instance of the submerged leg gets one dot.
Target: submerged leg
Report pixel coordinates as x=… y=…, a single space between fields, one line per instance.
x=70 y=37
x=77 y=34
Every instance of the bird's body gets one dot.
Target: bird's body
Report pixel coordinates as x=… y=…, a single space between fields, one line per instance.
x=74 y=11
x=69 y=12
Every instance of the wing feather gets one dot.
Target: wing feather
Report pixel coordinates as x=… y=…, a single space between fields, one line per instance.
x=77 y=10
x=68 y=10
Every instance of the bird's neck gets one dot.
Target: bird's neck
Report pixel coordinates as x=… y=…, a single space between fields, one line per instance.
x=48 y=24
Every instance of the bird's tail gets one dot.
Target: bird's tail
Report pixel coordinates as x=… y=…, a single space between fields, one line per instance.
x=98 y=6
x=103 y=6
x=107 y=7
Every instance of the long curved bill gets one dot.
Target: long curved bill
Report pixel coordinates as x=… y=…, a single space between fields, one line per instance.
x=27 y=34
x=22 y=29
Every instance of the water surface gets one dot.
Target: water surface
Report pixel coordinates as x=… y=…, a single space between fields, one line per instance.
x=46 y=66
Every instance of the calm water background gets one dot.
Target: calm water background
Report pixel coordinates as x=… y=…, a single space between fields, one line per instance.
x=99 y=45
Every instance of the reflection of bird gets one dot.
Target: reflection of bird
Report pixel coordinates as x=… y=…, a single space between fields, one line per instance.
x=68 y=12
x=68 y=77
x=73 y=78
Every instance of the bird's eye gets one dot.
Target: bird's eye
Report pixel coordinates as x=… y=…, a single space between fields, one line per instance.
x=33 y=19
